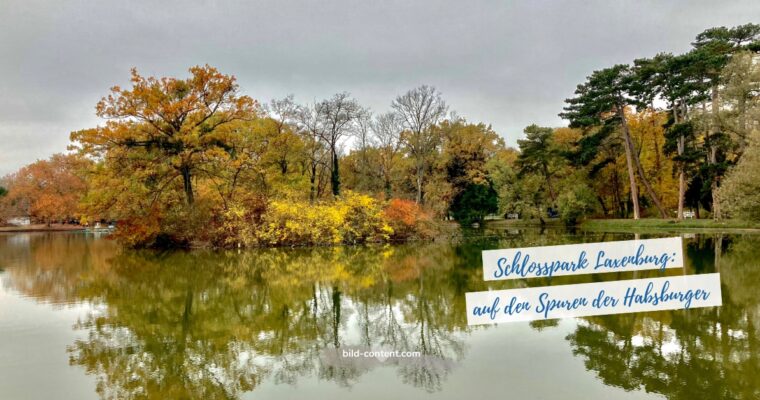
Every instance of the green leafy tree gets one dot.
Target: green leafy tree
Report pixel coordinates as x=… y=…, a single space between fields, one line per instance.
x=740 y=94
x=740 y=192
x=682 y=88
x=576 y=200
x=524 y=197
x=466 y=150
x=681 y=144
x=474 y=202
x=538 y=155
x=713 y=50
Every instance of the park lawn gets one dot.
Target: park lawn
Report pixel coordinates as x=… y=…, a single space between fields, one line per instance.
x=652 y=225
x=527 y=223
x=656 y=224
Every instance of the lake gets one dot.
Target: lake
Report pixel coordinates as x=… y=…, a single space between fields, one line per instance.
x=81 y=318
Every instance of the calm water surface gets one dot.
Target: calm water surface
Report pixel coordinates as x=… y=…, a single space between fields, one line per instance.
x=81 y=318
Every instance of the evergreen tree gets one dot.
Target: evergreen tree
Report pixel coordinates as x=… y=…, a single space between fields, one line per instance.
x=601 y=102
x=537 y=155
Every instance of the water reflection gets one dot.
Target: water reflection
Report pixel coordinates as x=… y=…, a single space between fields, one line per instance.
x=215 y=325
x=708 y=353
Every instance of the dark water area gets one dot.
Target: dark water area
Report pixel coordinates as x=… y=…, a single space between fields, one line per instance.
x=82 y=318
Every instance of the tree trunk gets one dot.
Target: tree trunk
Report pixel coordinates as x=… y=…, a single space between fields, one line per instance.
x=648 y=187
x=601 y=203
x=713 y=154
x=639 y=168
x=335 y=174
x=616 y=197
x=657 y=160
x=627 y=144
x=420 y=175
x=681 y=179
x=715 y=198
x=742 y=122
x=312 y=181
x=656 y=146
x=187 y=181
x=552 y=195
x=388 y=191
x=681 y=175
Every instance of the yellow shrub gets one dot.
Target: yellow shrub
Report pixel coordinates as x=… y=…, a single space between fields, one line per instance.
x=350 y=219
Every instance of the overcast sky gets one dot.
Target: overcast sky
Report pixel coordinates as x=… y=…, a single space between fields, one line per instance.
x=507 y=63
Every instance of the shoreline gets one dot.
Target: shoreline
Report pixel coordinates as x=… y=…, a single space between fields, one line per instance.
x=659 y=225
x=646 y=225
x=42 y=228
x=638 y=226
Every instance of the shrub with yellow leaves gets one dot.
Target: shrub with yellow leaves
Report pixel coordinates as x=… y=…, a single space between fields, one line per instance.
x=350 y=219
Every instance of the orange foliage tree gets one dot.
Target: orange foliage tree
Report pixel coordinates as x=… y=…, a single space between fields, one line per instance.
x=409 y=220
x=48 y=190
x=167 y=143
x=169 y=123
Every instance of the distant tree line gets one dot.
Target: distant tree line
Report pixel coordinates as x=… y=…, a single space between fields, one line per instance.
x=194 y=160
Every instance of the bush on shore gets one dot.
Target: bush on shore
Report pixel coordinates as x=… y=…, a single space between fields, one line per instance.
x=349 y=219
x=409 y=221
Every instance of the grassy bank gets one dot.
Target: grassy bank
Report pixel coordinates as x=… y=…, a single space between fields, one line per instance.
x=653 y=225
x=638 y=226
x=523 y=223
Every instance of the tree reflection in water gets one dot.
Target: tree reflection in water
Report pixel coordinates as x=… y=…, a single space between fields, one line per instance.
x=706 y=353
x=216 y=324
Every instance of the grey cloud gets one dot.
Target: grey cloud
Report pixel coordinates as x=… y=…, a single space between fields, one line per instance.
x=505 y=63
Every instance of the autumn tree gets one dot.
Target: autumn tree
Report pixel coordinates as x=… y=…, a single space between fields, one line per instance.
x=337 y=117
x=239 y=173
x=420 y=109
x=647 y=129
x=49 y=190
x=466 y=150
x=284 y=142
x=387 y=130
x=3 y=207
x=315 y=156
x=501 y=171
x=364 y=165
x=167 y=143
x=173 y=123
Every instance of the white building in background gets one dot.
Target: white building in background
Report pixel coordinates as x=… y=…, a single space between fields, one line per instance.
x=19 y=221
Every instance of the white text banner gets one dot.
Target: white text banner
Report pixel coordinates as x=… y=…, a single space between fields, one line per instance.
x=599 y=298
x=582 y=258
